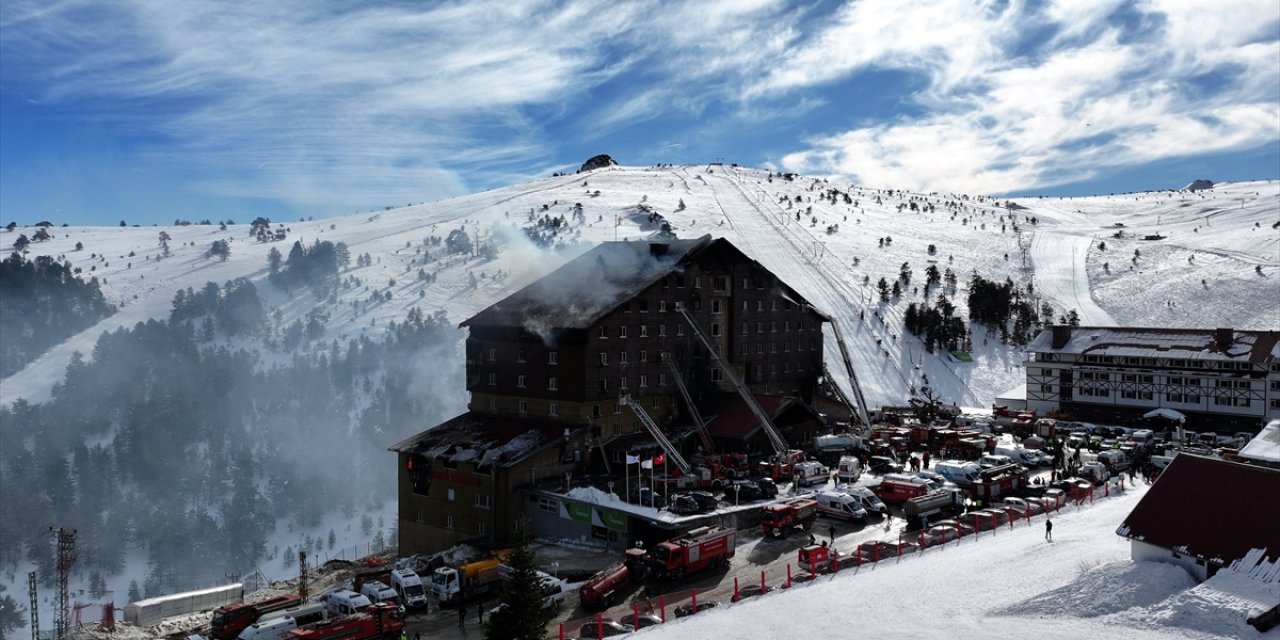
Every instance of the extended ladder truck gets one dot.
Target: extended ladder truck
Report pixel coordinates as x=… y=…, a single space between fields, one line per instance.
x=784 y=457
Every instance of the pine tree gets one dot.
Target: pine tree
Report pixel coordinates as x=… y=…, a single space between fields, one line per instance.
x=521 y=617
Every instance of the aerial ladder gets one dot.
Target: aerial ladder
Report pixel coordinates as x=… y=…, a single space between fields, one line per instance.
x=707 y=444
x=863 y=414
x=672 y=453
x=771 y=432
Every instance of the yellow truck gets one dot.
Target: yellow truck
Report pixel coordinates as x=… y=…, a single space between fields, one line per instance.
x=477 y=576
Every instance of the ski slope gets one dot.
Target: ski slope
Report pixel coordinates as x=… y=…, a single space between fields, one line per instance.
x=1201 y=275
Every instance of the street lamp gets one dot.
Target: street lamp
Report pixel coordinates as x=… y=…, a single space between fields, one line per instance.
x=555 y=566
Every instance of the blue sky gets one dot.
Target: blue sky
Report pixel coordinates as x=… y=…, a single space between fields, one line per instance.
x=152 y=111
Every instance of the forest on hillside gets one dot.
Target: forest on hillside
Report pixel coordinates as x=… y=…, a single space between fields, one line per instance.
x=168 y=440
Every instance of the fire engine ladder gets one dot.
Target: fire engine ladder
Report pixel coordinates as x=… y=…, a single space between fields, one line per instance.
x=775 y=438
x=657 y=433
x=707 y=444
x=844 y=398
x=853 y=376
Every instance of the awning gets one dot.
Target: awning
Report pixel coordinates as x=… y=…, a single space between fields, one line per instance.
x=1170 y=414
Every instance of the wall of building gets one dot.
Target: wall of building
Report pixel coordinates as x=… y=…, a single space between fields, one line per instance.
x=562 y=518
x=1144 y=552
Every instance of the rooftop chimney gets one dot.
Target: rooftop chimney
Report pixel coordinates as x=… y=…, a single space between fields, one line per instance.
x=1223 y=337
x=1061 y=335
x=658 y=248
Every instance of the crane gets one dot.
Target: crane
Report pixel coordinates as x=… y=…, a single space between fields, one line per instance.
x=771 y=432
x=656 y=432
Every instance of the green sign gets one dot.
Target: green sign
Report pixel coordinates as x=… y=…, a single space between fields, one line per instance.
x=576 y=511
x=613 y=519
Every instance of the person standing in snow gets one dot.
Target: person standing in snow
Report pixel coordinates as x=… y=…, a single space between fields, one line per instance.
x=926 y=460
x=462 y=615
x=832 y=531
x=1048 y=530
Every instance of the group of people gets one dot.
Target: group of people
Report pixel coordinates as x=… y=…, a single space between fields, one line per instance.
x=919 y=462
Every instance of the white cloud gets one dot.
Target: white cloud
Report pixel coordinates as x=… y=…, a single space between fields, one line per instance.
x=1010 y=115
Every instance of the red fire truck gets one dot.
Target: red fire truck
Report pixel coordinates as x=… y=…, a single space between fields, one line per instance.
x=603 y=589
x=230 y=620
x=699 y=549
x=779 y=519
x=380 y=621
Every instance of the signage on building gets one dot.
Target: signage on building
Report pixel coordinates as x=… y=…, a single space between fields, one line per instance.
x=445 y=475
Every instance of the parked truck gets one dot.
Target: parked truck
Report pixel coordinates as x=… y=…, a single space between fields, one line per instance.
x=451 y=584
x=230 y=620
x=779 y=519
x=701 y=548
x=379 y=621
x=999 y=481
x=924 y=508
x=603 y=589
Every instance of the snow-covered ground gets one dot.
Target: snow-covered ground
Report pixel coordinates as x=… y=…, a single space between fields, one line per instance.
x=1202 y=274
x=1012 y=584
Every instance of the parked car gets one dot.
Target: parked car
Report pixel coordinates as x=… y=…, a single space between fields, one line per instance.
x=706 y=500
x=686 y=610
x=642 y=621
x=751 y=591
x=609 y=627
x=995 y=514
x=935 y=480
x=939 y=534
x=683 y=505
x=1020 y=507
x=803 y=577
x=956 y=524
x=881 y=465
x=747 y=491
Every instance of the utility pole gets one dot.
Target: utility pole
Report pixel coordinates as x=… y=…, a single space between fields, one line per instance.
x=35 y=610
x=303 y=591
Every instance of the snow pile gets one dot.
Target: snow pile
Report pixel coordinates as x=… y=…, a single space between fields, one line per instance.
x=593 y=495
x=1220 y=605
x=1107 y=589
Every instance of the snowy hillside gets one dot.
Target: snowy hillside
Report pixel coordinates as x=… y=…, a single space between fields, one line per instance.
x=832 y=249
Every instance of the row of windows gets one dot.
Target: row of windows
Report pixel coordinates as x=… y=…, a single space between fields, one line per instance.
x=1174 y=364
x=1179 y=398
x=553 y=357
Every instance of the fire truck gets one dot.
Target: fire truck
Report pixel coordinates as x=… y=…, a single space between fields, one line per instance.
x=380 y=621
x=701 y=548
x=817 y=558
x=603 y=589
x=230 y=620
x=779 y=519
x=1000 y=481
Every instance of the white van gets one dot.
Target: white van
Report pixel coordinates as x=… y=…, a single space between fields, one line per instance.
x=378 y=591
x=409 y=585
x=840 y=505
x=810 y=473
x=344 y=602
x=850 y=469
x=870 y=502
x=958 y=471
x=994 y=460
x=1019 y=454
x=277 y=624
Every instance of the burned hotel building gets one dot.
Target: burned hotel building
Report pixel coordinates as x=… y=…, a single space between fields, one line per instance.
x=548 y=367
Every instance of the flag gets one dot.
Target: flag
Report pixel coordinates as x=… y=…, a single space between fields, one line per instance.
x=647 y=464
x=632 y=459
x=662 y=458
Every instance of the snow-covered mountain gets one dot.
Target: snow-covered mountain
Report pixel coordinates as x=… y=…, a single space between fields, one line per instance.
x=1217 y=264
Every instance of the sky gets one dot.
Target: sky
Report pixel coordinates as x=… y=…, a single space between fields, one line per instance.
x=149 y=112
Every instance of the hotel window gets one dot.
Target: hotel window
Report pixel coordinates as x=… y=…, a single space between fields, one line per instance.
x=715 y=328
x=481 y=501
x=520 y=382
x=604 y=333
x=622 y=331
x=552 y=358
x=604 y=358
x=644 y=306
x=520 y=356
x=662 y=331
x=553 y=384
x=493 y=355
x=719 y=283
x=662 y=306
x=715 y=306
x=449 y=495
x=644 y=355
x=622 y=357
x=548 y=505
x=524 y=407
x=717 y=375
x=448 y=520
x=493 y=379
x=622 y=383
x=553 y=409
x=493 y=404
x=644 y=331
x=662 y=379
x=679 y=330
x=604 y=385
x=644 y=381
x=746 y=328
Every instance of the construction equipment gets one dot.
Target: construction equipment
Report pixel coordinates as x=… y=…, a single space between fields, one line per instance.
x=656 y=432
x=771 y=432
x=477 y=576
x=708 y=445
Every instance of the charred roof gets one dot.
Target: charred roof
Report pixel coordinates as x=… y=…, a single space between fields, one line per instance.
x=486 y=440
x=582 y=291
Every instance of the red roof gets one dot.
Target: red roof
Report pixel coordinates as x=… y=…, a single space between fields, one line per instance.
x=737 y=421
x=1210 y=509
